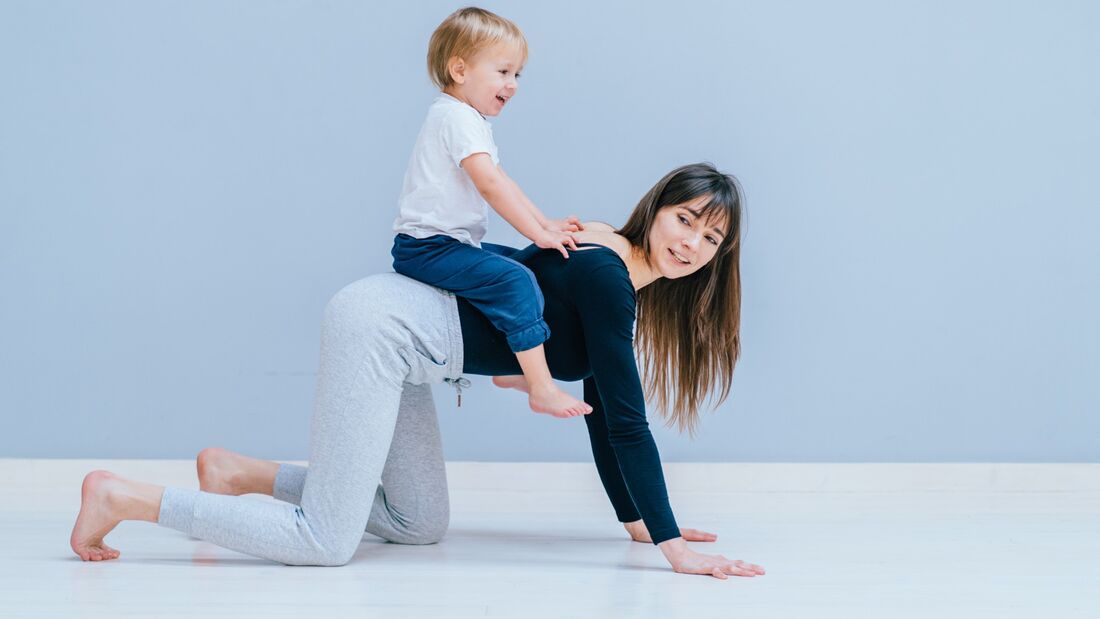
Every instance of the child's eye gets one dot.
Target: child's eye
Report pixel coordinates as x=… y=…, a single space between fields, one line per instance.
x=684 y=220
x=517 y=76
x=712 y=240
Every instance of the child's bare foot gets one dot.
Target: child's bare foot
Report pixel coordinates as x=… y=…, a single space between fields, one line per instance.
x=226 y=472
x=553 y=401
x=512 y=382
x=99 y=515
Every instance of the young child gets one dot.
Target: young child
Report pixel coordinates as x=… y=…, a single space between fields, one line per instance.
x=475 y=58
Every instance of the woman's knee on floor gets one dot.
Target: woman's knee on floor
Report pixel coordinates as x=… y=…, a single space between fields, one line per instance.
x=334 y=551
x=427 y=528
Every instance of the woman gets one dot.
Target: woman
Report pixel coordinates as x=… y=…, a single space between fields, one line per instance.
x=385 y=338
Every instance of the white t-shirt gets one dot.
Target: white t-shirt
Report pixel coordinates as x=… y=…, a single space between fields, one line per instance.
x=438 y=197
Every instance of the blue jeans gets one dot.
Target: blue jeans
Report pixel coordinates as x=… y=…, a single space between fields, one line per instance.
x=501 y=288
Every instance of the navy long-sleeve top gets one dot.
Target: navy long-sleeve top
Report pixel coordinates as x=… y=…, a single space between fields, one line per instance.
x=590 y=308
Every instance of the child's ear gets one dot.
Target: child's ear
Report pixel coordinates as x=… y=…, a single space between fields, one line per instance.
x=457 y=68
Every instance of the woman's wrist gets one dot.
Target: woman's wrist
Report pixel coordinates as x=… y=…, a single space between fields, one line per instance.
x=674 y=549
x=637 y=531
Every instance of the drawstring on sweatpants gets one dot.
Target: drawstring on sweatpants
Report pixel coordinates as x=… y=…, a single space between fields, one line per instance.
x=458 y=383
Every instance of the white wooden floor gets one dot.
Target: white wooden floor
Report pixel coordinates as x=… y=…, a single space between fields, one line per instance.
x=539 y=540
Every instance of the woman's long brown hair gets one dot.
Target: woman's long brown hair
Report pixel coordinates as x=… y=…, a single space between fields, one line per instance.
x=689 y=328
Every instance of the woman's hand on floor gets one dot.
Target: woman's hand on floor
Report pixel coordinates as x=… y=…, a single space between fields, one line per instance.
x=686 y=561
x=639 y=533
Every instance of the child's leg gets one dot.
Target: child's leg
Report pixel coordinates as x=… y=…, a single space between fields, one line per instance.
x=517 y=382
x=509 y=296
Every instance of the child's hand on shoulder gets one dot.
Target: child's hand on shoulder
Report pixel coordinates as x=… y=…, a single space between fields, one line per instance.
x=552 y=239
x=565 y=224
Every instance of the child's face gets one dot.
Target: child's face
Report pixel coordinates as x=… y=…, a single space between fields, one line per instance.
x=489 y=79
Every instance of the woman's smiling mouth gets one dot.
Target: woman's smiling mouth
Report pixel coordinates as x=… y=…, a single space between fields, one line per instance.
x=678 y=258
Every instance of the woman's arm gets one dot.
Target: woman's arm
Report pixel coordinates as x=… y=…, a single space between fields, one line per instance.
x=607 y=465
x=607 y=321
x=608 y=334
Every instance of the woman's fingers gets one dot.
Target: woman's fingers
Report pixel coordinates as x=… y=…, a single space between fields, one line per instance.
x=717 y=566
x=724 y=568
x=695 y=535
x=752 y=566
x=741 y=568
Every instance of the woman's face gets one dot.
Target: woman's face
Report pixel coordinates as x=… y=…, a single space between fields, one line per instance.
x=681 y=242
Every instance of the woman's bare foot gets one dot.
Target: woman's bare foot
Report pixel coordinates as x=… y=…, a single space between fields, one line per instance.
x=517 y=382
x=99 y=515
x=226 y=472
x=553 y=401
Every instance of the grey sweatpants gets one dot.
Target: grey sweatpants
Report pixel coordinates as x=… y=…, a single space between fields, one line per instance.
x=384 y=339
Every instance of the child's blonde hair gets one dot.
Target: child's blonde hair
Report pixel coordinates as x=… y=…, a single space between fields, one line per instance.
x=465 y=33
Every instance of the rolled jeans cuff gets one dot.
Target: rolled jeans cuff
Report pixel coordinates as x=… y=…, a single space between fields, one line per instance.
x=529 y=337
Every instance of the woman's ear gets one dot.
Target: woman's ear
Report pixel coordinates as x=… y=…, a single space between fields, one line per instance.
x=457 y=68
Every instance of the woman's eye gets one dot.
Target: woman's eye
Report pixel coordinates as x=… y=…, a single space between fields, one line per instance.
x=712 y=240
x=684 y=220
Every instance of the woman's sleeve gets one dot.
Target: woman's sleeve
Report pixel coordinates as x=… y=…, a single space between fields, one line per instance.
x=607 y=465
x=607 y=318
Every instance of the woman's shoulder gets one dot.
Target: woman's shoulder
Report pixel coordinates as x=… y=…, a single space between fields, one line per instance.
x=599 y=264
x=596 y=235
x=598 y=226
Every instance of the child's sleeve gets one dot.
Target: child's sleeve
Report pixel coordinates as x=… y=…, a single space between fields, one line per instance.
x=465 y=134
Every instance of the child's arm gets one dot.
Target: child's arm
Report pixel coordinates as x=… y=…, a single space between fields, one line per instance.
x=567 y=224
x=507 y=199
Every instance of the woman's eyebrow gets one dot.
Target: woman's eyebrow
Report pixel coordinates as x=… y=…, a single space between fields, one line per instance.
x=715 y=228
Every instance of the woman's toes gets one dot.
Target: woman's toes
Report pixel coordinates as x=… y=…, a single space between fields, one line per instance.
x=96 y=518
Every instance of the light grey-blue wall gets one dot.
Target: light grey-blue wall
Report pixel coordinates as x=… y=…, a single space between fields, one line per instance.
x=184 y=184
